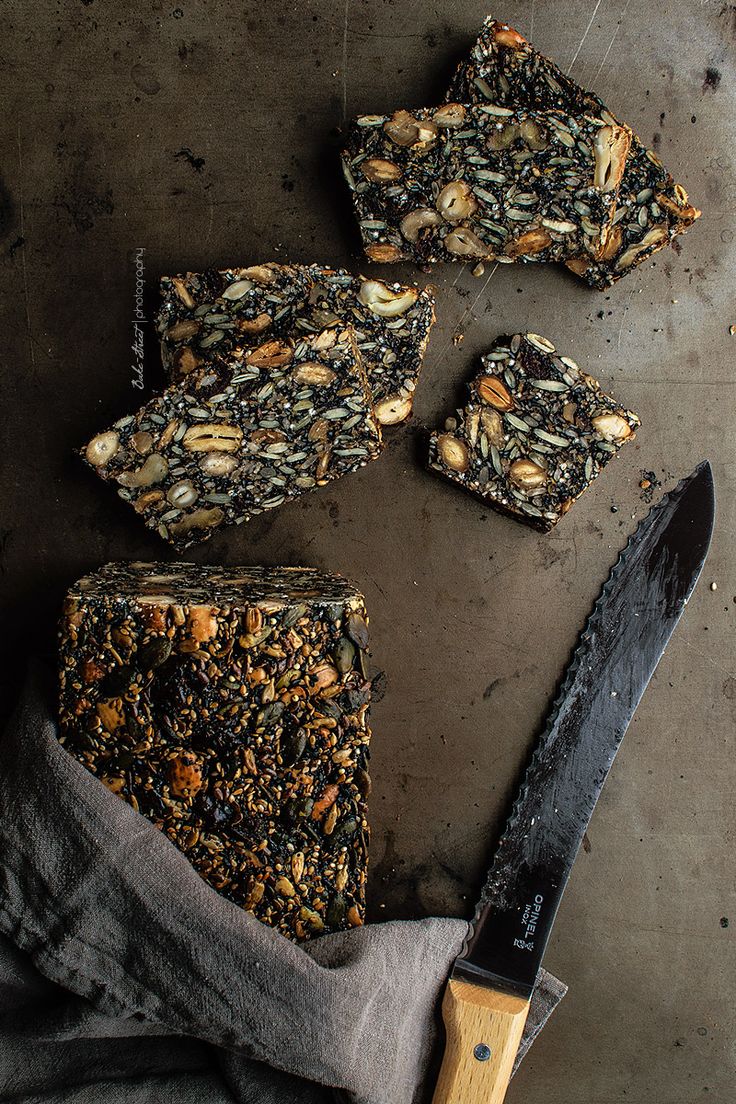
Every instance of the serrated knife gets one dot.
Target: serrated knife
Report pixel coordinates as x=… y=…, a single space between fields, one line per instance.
x=487 y=997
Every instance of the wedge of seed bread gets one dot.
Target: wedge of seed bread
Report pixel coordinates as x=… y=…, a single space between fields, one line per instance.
x=207 y=316
x=230 y=707
x=505 y=70
x=536 y=431
x=484 y=182
x=242 y=436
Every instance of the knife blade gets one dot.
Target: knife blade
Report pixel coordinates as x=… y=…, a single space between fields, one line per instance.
x=486 y=1001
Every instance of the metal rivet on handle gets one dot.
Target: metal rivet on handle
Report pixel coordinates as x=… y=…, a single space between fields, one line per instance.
x=482 y=1052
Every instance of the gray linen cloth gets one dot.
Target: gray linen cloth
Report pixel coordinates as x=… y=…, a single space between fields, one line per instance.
x=124 y=977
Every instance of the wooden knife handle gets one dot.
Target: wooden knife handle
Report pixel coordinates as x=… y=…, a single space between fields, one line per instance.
x=478 y=1021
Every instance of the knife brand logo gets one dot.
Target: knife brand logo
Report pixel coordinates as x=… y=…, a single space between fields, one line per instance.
x=529 y=922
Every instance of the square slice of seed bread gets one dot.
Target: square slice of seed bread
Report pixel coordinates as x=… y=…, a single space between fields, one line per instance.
x=206 y=317
x=242 y=437
x=229 y=706
x=484 y=182
x=504 y=69
x=536 y=431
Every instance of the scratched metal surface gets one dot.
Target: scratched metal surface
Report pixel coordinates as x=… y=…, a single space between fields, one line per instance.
x=205 y=135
